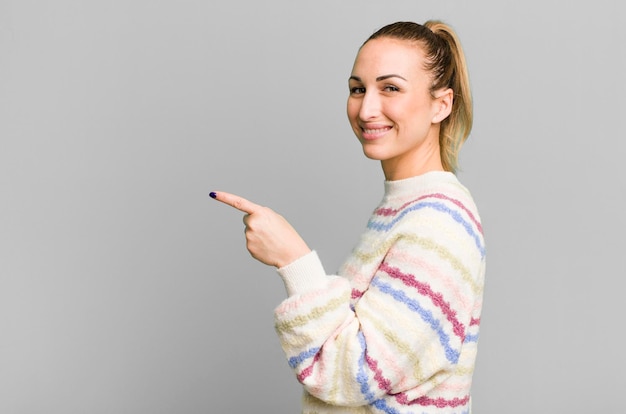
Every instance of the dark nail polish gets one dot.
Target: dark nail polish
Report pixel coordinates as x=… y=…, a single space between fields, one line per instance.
x=213 y=194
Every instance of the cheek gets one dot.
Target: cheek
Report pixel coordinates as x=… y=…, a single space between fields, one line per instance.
x=352 y=109
x=397 y=111
x=413 y=112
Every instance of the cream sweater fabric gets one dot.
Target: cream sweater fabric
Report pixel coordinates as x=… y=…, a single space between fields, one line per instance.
x=396 y=330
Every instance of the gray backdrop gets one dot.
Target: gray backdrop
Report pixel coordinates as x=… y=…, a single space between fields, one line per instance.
x=125 y=289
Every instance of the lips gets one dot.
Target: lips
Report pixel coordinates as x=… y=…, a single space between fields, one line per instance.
x=370 y=132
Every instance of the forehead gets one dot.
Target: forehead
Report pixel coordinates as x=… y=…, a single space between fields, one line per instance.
x=382 y=56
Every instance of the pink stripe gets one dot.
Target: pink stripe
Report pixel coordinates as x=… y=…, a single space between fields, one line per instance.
x=425 y=290
x=475 y=321
x=457 y=387
x=390 y=359
x=446 y=279
x=308 y=370
x=393 y=212
x=437 y=402
x=383 y=383
x=452 y=284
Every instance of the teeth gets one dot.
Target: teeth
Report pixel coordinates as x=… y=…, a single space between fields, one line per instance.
x=375 y=131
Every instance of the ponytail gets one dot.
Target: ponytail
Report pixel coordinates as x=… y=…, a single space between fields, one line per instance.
x=456 y=127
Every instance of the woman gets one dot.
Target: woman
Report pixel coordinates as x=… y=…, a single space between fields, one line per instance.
x=396 y=331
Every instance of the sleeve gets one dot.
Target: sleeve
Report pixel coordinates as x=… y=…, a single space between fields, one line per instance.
x=404 y=334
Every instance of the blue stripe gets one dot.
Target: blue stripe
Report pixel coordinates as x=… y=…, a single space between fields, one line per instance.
x=361 y=376
x=451 y=354
x=295 y=360
x=382 y=226
x=471 y=338
x=362 y=379
x=382 y=405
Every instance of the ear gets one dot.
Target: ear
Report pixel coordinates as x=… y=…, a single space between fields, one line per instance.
x=442 y=104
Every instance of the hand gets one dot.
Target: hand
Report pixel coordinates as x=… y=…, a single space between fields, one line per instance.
x=269 y=237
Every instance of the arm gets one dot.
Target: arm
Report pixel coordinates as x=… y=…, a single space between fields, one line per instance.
x=403 y=335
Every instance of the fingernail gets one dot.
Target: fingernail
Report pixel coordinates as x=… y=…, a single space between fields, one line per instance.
x=213 y=194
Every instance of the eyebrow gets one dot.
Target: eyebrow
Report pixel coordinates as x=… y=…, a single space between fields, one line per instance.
x=380 y=78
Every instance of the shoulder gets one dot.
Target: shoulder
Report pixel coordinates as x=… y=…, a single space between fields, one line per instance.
x=435 y=198
x=440 y=213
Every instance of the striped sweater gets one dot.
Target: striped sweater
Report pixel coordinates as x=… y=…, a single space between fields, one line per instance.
x=396 y=330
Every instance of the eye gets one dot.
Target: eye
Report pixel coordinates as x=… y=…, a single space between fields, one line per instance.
x=391 y=88
x=357 y=90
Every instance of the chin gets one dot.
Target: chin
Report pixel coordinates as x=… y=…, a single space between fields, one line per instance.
x=373 y=155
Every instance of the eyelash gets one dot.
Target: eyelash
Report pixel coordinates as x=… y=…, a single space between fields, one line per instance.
x=361 y=90
x=357 y=89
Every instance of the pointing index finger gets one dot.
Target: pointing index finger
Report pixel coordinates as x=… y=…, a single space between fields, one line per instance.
x=235 y=201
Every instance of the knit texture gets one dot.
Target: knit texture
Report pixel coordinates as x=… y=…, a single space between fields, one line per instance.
x=396 y=330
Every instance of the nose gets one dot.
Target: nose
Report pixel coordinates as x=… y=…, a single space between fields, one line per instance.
x=370 y=106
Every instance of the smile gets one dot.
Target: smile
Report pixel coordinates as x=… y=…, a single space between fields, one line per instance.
x=373 y=133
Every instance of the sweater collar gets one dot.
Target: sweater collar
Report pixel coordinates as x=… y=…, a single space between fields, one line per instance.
x=412 y=185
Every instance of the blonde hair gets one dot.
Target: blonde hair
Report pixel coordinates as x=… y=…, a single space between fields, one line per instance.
x=445 y=61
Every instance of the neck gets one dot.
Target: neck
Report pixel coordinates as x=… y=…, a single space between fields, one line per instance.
x=418 y=164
